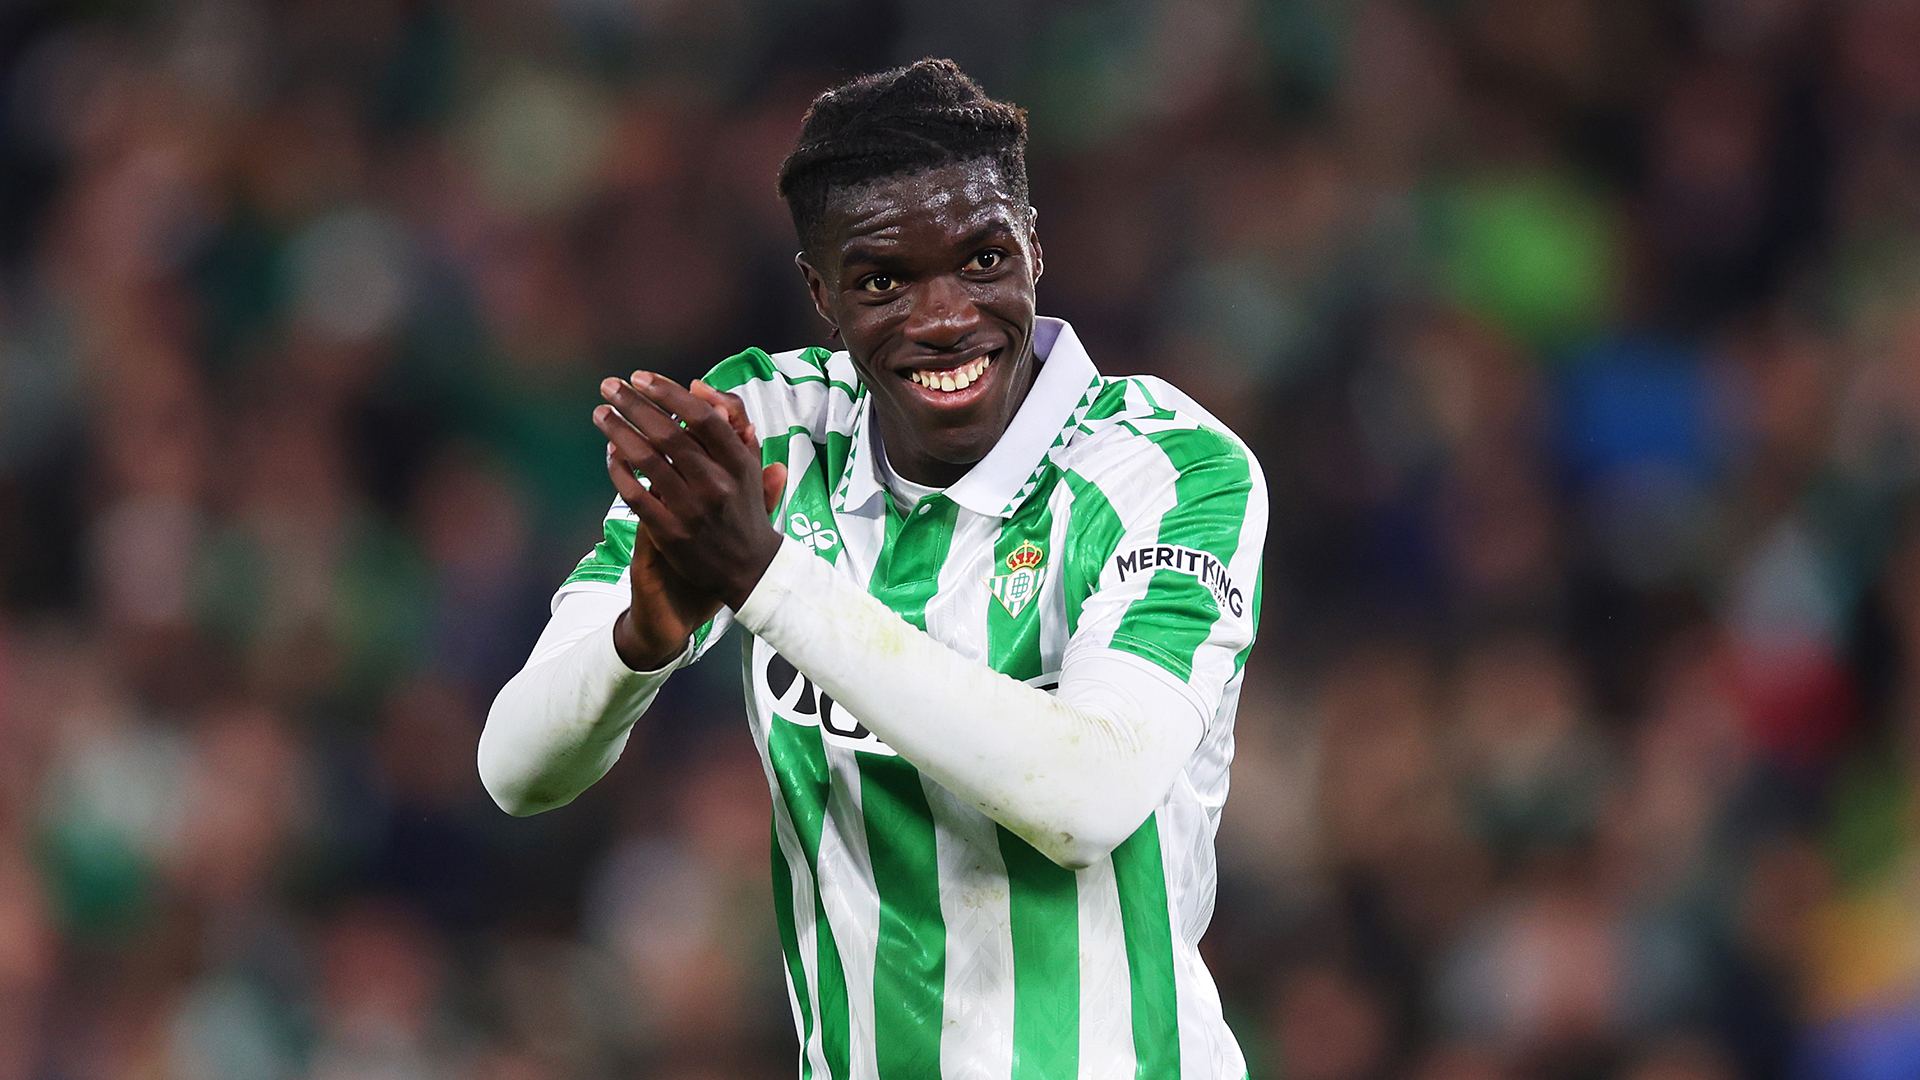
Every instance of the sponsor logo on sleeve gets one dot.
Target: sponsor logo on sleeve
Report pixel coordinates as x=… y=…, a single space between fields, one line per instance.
x=1210 y=571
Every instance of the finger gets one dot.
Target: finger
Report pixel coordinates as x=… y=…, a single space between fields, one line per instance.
x=662 y=525
x=703 y=422
x=628 y=486
x=711 y=427
x=639 y=411
x=735 y=411
x=635 y=452
x=773 y=481
x=688 y=455
x=678 y=450
x=731 y=406
x=640 y=501
x=658 y=524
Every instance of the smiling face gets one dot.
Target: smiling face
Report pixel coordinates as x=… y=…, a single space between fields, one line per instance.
x=929 y=278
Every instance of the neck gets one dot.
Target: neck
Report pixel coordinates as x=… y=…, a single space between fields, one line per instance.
x=920 y=468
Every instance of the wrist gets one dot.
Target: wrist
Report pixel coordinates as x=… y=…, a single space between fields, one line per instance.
x=642 y=651
x=787 y=571
x=754 y=568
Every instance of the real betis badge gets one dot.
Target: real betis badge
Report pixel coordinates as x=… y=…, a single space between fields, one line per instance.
x=1016 y=589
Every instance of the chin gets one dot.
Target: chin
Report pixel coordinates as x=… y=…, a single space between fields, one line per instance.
x=955 y=449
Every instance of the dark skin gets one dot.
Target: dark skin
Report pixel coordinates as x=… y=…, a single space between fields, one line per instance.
x=926 y=272
x=929 y=272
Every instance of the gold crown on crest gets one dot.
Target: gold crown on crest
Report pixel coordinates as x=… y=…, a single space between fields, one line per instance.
x=1024 y=556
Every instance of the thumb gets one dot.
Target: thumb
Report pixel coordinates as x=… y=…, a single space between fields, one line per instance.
x=644 y=552
x=773 y=480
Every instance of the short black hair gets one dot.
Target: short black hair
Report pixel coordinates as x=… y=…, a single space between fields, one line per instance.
x=922 y=116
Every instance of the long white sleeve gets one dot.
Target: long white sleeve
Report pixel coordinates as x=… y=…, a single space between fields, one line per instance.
x=560 y=724
x=1074 y=774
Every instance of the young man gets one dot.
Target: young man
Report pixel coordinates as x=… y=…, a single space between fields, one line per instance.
x=996 y=642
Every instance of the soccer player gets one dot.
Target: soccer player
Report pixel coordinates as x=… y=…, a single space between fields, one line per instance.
x=997 y=625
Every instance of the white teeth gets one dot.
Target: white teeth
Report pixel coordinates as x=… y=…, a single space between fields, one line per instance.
x=953 y=379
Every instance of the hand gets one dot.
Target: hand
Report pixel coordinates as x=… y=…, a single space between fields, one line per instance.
x=664 y=611
x=704 y=539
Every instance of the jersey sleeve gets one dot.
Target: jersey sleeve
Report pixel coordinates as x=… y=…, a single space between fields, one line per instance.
x=605 y=568
x=1167 y=550
x=787 y=391
x=607 y=563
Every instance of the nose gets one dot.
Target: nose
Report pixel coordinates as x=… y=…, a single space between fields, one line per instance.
x=942 y=315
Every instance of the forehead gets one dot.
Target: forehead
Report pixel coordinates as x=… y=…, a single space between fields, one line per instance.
x=948 y=202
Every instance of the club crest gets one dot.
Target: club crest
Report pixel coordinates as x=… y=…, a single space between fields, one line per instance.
x=1026 y=573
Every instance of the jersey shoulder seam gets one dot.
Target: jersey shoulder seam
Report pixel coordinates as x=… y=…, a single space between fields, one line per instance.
x=1149 y=412
x=794 y=390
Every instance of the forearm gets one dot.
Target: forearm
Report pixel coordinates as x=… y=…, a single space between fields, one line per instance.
x=562 y=721
x=1073 y=774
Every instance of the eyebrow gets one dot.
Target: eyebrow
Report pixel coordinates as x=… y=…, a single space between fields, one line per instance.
x=861 y=250
x=866 y=251
x=986 y=232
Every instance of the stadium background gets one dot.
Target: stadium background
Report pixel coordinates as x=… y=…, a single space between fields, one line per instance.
x=1578 y=338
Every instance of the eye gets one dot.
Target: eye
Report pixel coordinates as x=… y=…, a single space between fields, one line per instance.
x=878 y=283
x=986 y=260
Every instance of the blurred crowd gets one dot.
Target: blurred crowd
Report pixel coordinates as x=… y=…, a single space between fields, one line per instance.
x=1580 y=340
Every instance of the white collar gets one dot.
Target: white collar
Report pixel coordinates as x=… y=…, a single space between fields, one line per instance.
x=999 y=482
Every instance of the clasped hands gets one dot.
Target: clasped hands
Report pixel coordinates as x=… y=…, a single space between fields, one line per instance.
x=704 y=539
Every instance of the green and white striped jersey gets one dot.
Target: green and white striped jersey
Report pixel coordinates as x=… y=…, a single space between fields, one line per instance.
x=923 y=940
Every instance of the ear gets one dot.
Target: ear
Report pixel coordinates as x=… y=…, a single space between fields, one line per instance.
x=1033 y=242
x=817 y=288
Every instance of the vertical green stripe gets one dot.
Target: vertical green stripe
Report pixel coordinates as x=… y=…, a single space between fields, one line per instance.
x=909 y=971
x=1013 y=642
x=790 y=949
x=808 y=515
x=800 y=763
x=835 y=1037
x=1094 y=530
x=909 y=965
x=773 y=448
x=914 y=551
x=1147 y=923
x=1043 y=908
x=834 y=451
x=1110 y=401
x=1042 y=898
x=838 y=448
x=1259 y=586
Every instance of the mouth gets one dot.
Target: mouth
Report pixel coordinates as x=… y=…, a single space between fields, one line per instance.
x=949 y=385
